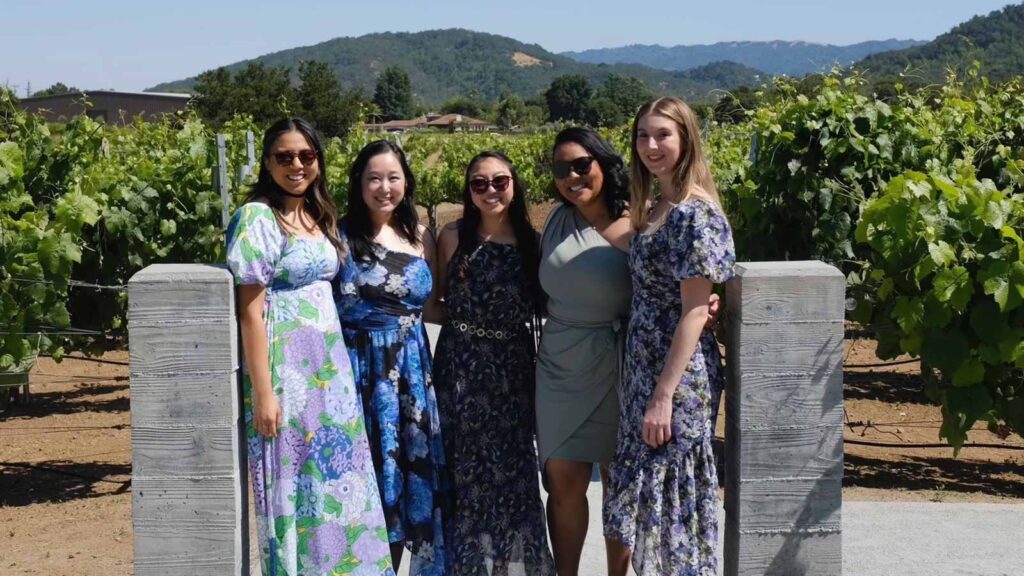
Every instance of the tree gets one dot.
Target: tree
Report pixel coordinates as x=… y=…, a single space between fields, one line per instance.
x=603 y=111
x=465 y=105
x=627 y=93
x=320 y=99
x=258 y=91
x=567 y=96
x=393 y=94
x=58 y=88
x=511 y=112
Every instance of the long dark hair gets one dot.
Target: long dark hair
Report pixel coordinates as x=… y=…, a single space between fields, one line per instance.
x=318 y=202
x=357 y=222
x=615 y=190
x=527 y=243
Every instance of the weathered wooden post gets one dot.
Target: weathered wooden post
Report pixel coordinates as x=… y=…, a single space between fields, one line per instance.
x=189 y=493
x=784 y=416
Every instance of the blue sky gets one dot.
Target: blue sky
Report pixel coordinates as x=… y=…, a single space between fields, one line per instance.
x=133 y=45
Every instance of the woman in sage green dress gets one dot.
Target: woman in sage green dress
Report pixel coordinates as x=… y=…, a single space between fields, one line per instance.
x=587 y=282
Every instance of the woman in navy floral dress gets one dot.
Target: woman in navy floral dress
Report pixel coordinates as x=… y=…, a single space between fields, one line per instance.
x=382 y=294
x=485 y=377
x=663 y=488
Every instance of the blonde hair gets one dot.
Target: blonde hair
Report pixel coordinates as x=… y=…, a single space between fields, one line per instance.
x=692 y=171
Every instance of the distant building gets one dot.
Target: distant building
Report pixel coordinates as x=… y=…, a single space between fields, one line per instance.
x=455 y=122
x=105 y=105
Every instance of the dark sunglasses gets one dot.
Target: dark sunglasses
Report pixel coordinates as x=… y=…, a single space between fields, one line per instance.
x=480 y=185
x=581 y=166
x=307 y=157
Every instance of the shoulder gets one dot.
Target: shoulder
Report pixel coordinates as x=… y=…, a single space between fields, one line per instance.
x=449 y=233
x=253 y=216
x=697 y=208
x=255 y=209
x=557 y=212
x=448 y=240
x=426 y=236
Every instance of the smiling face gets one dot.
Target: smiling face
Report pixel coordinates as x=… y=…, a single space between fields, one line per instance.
x=383 y=183
x=293 y=177
x=491 y=200
x=578 y=189
x=659 y=144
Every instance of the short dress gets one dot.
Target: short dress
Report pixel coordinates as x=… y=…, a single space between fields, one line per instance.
x=315 y=492
x=663 y=501
x=580 y=357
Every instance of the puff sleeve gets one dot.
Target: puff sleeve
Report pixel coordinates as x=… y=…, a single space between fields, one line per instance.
x=254 y=244
x=701 y=242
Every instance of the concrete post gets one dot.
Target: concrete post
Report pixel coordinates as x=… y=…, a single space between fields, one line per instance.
x=784 y=416
x=189 y=481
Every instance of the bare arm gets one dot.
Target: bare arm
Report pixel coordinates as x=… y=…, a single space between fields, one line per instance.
x=267 y=416
x=618 y=233
x=694 y=293
x=433 y=309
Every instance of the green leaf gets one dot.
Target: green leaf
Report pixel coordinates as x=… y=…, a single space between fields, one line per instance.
x=168 y=228
x=954 y=285
x=969 y=373
x=945 y=350
x=1001 y=280
x=282 y=525
x=960 y=410
x=308 y=311
x=332 y=506
x=12 y=163
x=942 y=254
x=885 y=289
x=908 y=313
x=995 y=214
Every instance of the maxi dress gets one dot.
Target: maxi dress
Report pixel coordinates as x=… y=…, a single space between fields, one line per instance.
x=663 y=501
x=317 y=507
x=380 y=302
x=485 y=385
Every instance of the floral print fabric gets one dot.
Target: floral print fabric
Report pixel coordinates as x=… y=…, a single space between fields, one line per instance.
x=317 y=506
x=662 y=502
x=380 y=303
x=485 y=391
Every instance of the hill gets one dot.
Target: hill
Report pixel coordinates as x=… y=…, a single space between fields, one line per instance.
x=455 y=62
x=995 y=40
x=778 y=57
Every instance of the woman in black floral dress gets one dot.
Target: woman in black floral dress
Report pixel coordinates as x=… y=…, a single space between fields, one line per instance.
x=484 y=377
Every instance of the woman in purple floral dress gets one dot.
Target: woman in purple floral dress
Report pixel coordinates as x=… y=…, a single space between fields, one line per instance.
x=317 y=507
x=663 y=488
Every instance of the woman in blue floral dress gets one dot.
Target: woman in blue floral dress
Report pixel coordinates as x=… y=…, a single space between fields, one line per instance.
x=663 y=488
x=317 y=507
x=485 y=377
x=382 y=296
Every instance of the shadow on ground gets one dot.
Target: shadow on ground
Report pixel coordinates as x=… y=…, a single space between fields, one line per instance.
x=890 y=387
x=24 y=483
x=81 y=399
x=934 y=473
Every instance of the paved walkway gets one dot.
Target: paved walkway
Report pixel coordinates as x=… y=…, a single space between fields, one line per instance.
x=894 y=539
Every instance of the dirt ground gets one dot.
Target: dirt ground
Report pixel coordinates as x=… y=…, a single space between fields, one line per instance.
x=65 y=460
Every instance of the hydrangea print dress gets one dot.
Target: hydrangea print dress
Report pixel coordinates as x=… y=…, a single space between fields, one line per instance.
x=317 y=507
x=380 y=303
x=663 y=502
